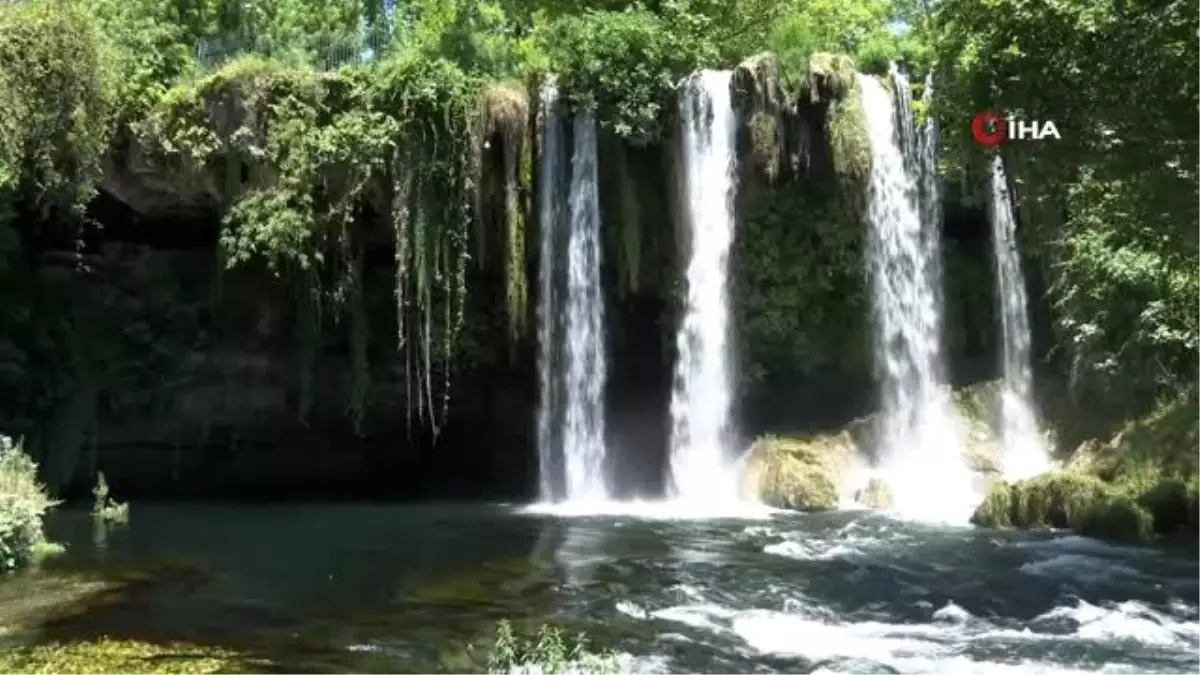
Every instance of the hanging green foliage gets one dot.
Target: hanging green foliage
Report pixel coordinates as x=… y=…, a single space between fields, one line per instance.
x=327 y=158
x=432 y=182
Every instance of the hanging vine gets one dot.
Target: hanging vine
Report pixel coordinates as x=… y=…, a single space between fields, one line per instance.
x=326 y=153
x=433 y=178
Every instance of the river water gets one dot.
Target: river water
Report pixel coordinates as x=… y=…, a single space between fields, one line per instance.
x=338 y=588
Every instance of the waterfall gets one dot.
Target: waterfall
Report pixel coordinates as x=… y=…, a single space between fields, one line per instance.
x=921 y=458
x=700 y=397
x=583 y=425
x=571 y=341
x=549 y=213
x=1024 y=452
x=925 y=158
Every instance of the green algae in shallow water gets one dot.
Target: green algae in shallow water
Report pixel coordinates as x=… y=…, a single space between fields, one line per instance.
x=32 y=600
x=125 y=656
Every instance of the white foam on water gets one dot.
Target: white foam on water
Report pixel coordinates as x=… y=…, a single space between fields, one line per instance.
x=654 y=510
x=943 y=644
x=811 y=550
x=850 y=540
x=623 y=663
x=631 y=609
x=1085 y=544
x=1079 y=567
x=1130 y=620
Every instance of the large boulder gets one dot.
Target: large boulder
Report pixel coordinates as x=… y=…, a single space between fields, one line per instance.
x=799 y=472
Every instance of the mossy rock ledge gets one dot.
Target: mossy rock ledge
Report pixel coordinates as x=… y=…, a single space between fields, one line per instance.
x=1141 y=484
x=1066 y=500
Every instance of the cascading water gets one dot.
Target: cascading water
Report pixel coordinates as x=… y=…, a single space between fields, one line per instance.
x=583 y=425
x=549 y=213
x=1024 y=452
x=925 y=165
x=571 y=341
x=921 y=458
x=700 y=398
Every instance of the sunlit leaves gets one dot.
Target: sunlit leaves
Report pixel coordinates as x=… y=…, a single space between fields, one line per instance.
x=56 y=95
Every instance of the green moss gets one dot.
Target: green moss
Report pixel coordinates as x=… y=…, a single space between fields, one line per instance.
x=1117 y=517
x=829 y=77
x=847 y=127
x=876 y=495
x=1057 y=499
x=502 y=120
x=45 y=550
x=799 y=295
x=1066 y=500
x=765 y=139
x=996 y=509
x=333 y=160
x=1164 y=441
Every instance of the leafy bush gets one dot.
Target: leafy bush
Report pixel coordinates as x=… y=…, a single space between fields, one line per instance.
x=23 y=503
x=625 y=66
x=56 y=91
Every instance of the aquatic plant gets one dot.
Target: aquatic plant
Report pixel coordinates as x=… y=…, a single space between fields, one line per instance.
x=104 y=506
x=548 y=652
x=23 y=503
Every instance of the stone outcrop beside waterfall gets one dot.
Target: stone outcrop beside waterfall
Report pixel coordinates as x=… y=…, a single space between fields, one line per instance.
x=820 y=471
x=812 y=130
x=764 y=115
x=799 y=472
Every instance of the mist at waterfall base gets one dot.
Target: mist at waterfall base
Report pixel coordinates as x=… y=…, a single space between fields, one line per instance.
x=1025 y=452
x=921 y=441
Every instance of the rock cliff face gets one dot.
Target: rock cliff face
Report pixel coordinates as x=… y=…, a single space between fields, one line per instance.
x=185 y=377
